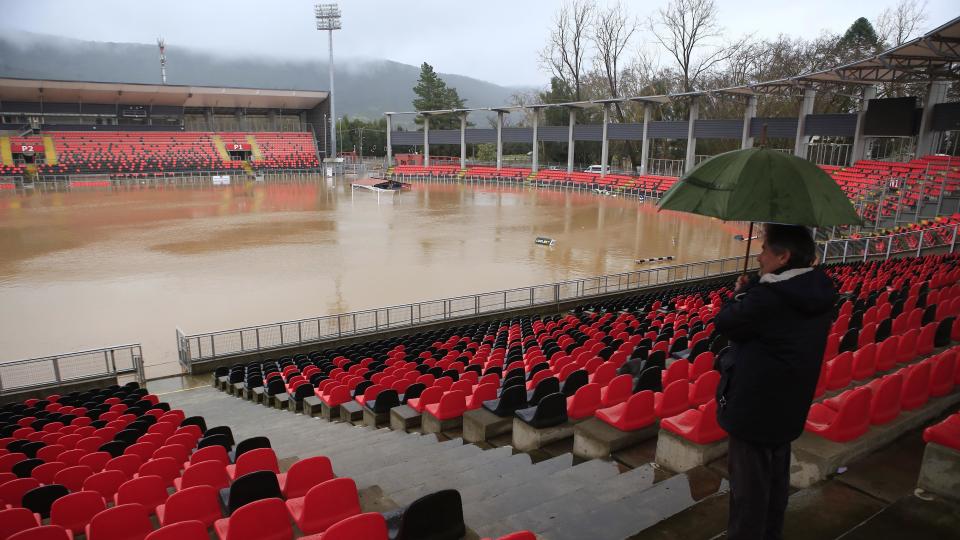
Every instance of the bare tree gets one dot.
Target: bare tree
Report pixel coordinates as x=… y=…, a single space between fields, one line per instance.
x=613 y=29
x=897 y=25
x=566 y=49
x=690 y=32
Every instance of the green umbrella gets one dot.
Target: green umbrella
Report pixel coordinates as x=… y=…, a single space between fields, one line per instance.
x=761 y=185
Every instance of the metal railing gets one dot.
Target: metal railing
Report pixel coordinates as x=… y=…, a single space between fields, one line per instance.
x=191 y=177
x=213 y=345
x=912 y=243
x=19 y=375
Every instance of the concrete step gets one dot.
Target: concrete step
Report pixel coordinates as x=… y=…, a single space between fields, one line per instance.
x=502 y=483
x=539 y=490
x=489 y=463
x=390 y=451
x=395 y=476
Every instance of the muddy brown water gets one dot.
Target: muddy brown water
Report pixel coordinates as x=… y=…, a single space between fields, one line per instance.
x=90 y=268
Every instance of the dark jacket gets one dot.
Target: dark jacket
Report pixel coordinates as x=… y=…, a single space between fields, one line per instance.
x=778 y=333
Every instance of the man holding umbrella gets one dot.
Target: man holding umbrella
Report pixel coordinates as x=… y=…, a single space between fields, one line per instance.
x=777 y=321
x=777 y=324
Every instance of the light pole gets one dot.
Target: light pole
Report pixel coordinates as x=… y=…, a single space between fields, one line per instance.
x=339 y=131
x=328 y=18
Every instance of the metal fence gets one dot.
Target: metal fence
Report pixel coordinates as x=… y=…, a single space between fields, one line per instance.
x=19 y=375
x=213 y=345
x=912 y=243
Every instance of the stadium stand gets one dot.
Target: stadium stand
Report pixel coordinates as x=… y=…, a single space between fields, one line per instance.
x=138 y=154
x=322 y=506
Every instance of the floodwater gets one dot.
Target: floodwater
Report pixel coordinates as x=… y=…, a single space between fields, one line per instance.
x=91 y=268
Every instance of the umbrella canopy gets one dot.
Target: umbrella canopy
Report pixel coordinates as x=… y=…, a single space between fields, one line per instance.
x=758 y=184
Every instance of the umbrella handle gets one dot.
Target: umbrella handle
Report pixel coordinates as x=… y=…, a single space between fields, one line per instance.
x=746 y=260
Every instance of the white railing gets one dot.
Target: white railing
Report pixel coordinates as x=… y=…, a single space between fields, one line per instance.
x=912 y=243
x=50 y=371
x=214 y=345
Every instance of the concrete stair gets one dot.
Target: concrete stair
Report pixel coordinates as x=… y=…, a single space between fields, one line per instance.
x=503 y=491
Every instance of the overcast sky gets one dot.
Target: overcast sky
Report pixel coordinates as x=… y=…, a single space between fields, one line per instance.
x=493 y=40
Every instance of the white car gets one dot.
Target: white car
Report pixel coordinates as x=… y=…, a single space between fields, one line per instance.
x=594 y=169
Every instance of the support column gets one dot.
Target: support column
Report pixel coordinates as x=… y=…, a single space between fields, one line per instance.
x=645 y=142
x=691 y=138
x=499 y=139
x=573 y=120
x=426 y=141
x=926 y=138
x=604 y=142
x=463 y=141
x=859 y=141
x=746 y=139
x=535 y=154
x=389 y=141
x=800 y=141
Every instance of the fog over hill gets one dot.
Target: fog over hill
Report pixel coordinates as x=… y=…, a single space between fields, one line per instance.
x=364 y=87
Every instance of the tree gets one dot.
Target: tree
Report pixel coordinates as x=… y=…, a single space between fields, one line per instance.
x=433 y=94
x=859 y=41
x=612 y=30
x=690 y=32
x=566 y=48
x=896 y=25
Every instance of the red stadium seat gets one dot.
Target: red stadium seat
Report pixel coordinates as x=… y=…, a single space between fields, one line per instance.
x=635 y=413
x=325 y=505
x=265 y=519
x=849 y=422
x=122 y=522
x=696 y=425
x=75 y=510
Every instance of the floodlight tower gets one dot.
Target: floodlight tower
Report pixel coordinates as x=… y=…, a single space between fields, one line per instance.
x=328 y=18
x=163 y=59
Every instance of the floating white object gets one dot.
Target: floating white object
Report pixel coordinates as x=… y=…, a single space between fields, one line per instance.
x=544 y=241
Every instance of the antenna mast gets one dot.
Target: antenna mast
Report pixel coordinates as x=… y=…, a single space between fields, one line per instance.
x=163 y=60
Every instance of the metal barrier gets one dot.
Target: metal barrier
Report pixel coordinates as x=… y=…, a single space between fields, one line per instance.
x=19 y=375
x=912 y=242
x=213 y=345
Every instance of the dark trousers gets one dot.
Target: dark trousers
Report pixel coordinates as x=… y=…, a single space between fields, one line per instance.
x=759 y=483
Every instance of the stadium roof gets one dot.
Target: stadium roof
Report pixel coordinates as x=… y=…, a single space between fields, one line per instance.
x=935 y=56
x=13 y=89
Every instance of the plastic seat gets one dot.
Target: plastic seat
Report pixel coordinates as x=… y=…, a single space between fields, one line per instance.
x=184 y=530
x=678 y=370
x=144 y=450
x=259 y=520
x=178 y=453
x=39 y=499
x=166 y=468
x=14 y=520
x=510 y=400
x=945 y=433
x=907 y=350
x=369 y=526
x=45 y=532
x=849 y=422
x=696 y=425
x=148 y=491
x=75 y=510
x=211 y=453
x=584 y=402
x=46 y=472
x=258 y=459
x=24 y=468
x=324 y=505
x=864 y=361
x=247 y=445
x=634 y=413
x=437 y=515
x=206 y=473
x=248 y=488
x=519 y=535
x=549 y=385
x=123 y=522
x=128 y=464
x=916 y=386
x=840 y=371
x=942 y=373
x=482 y=393
x=703 y=389
x=887 y=353
x=551 y=411
x=617 y=391
x=199 y=503
x=303 y=475
x=427 y=397
x=50 y=452
x=887 y=395
x=701 y=364
x=8 y=461
x=451 y=405
x=673 y=400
